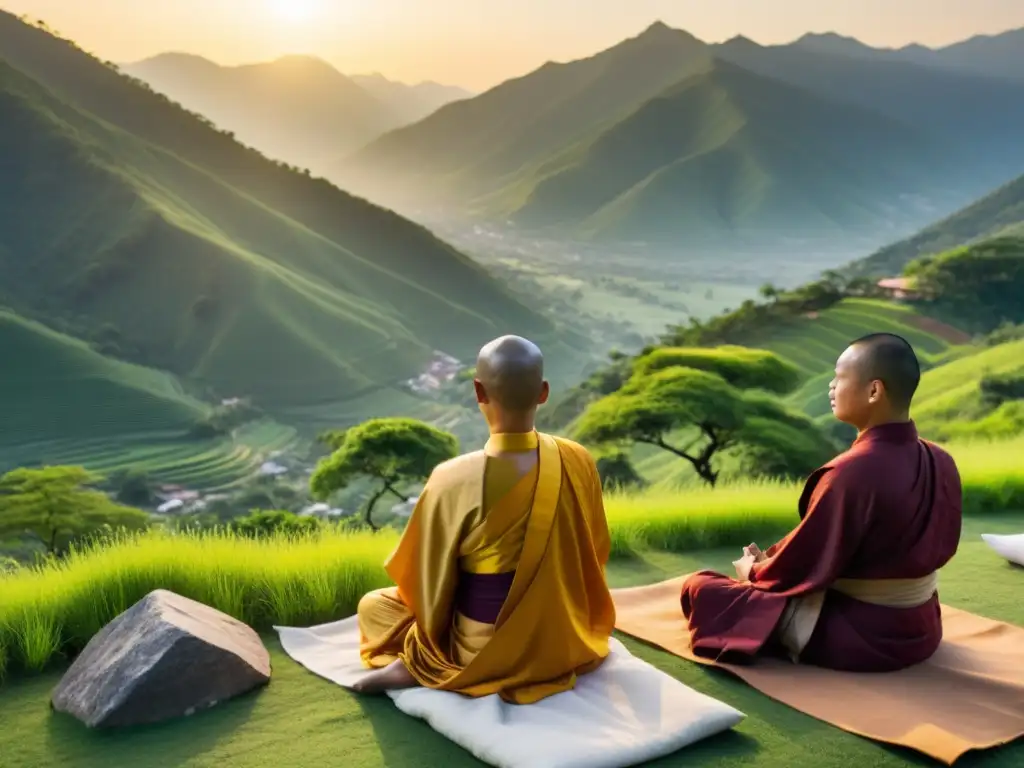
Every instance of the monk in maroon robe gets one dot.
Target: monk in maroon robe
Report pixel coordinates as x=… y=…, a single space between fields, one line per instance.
x=853 y=586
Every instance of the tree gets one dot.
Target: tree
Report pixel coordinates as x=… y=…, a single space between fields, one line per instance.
x=262 y=523
x=769 y=292
x=134 y=487
x=659 y=403
x=391 y=452
x=57 y=505
x=617 y=472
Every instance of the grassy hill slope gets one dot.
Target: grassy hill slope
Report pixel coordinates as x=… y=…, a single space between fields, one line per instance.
x=728 y=150
x=201 y=257
x=65 y=403
x=297 y=108
x=951 y=402
x=999 y=213
x=56 y=386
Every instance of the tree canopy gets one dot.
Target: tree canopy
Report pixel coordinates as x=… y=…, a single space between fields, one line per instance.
x=669 y=398
x=392 y=452
x=742 y=367
x=58 y=505
x=978 y=285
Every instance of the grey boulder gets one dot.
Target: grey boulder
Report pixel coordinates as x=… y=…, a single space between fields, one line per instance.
x=165 y=657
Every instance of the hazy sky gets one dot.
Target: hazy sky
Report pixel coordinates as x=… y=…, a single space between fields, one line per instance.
x=478 y=43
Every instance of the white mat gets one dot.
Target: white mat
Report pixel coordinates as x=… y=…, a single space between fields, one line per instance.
x=625 y=713
x=1010 y=547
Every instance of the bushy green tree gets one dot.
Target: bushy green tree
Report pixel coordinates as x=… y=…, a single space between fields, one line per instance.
x=978 y=285
x=742 y=367
x=262 y=523
x=133 y=487
x=58 y=505
x=392 y=452
x=617 y=471
x=717 y=406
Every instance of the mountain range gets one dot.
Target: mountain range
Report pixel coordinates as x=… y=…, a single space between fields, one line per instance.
x=298 y=109
x=664 y=137
x=129 y=223
x=1000 y=55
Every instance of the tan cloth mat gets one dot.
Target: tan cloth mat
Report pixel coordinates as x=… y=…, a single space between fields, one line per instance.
x=969 y=695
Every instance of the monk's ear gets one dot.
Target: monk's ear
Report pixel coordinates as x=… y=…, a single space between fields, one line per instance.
x=876 y=391
x=481 y=393
x=545 y=392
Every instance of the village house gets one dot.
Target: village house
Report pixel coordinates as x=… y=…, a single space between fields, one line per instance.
x=898 y=288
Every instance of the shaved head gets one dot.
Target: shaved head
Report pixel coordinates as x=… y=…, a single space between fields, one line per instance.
x=511 y=371
x=890 y=359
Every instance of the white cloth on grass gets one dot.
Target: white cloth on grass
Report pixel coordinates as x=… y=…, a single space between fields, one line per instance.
x=1011 y=547
x=624 y=713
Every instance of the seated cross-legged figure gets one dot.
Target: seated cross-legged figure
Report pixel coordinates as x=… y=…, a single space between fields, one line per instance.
x=853 y=587
x=499 y=574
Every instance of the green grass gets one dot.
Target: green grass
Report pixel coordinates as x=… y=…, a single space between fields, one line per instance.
x=300 y=719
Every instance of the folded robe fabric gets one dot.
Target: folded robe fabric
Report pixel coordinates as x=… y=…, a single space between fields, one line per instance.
x=1010 y=547
x=969 y=695
x=625 y=713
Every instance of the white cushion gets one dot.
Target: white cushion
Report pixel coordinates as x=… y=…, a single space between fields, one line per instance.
x=625 y=713
x=1010 y=547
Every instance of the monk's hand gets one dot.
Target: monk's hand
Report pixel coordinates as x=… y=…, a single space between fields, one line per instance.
x=755 y=550
x=744 y=565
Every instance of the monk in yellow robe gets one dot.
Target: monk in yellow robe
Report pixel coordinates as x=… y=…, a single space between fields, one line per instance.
x=499 y=574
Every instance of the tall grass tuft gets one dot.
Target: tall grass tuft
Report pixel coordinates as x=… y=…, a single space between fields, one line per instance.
x=992 y=474
x=700 y=518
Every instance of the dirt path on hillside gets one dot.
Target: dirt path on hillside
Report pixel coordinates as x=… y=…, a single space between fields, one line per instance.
x=947 y=333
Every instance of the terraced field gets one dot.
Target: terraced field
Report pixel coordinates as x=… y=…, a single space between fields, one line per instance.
x=949 y=400
x=813 y=343
x=213 y=464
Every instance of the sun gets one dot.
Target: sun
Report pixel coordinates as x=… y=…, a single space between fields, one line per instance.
x=294 y=11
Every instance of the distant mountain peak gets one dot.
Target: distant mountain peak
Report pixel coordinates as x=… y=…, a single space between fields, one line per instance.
x=177 y=58
x=741 y=42
x=302 y=61
x=659 y=32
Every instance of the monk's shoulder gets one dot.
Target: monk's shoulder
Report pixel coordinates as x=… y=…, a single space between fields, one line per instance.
x=457 y=472
x=575 y=453
x=941 y=455
x=858 y=468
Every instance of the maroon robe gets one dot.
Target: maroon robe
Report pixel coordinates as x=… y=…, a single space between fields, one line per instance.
x=888 y=508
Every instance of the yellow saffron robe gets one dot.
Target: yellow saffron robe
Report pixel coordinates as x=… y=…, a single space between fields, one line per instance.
x=549 y=527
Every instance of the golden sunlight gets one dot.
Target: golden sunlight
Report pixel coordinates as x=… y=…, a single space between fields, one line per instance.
x=295 y=11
